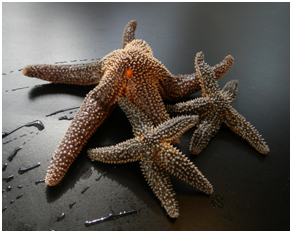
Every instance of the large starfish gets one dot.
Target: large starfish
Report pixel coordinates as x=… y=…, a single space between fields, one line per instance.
x=151 y=145
x=132 y=72
x=222 y=111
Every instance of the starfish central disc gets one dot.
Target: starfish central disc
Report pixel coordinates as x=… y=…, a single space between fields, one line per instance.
x=129 y=73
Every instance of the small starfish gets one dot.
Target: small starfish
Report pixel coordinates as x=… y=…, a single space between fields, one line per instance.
x=132 y=72
x=222 y=111
x=151 y=145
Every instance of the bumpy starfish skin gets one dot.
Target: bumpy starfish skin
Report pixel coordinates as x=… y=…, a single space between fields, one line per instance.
x=132 y=72
x=78 y=74
x=221 y=112
x=157 y=156
x=129 y=33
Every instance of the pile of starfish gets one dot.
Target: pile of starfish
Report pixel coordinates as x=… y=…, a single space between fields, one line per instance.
x=138 y=82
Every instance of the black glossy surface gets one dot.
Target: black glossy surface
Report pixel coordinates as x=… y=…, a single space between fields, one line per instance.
x=256 y=187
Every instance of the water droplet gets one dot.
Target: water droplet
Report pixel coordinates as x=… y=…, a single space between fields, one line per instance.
x=16 y=89
x=98 y=178
x=40 y=181
x=84 y=190
x=8 y=178
x=110 y=217
x=62 y=110
x=4 y=167
x=23 y=170
x=10 y=158
x=36 y=123
x=73 y=203
x=19 y=196
x=61 y=217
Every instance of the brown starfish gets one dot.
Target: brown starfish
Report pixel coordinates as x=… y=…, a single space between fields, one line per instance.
x=132 y=72
x=217 y=108
x=151 y=145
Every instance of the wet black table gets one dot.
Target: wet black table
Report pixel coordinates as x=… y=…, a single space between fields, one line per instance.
x=252 y=190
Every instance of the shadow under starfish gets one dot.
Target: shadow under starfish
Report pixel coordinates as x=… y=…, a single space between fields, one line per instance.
x=131 y=72
x=151 y=145
x=215 y=108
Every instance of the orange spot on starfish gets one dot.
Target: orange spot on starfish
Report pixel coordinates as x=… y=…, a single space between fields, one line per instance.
x=129 y=73
x=141 y=138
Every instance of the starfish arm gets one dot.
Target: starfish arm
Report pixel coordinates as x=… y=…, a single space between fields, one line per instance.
x=160 y=184
x=177 y=87
x=93 y=111
x=146 y=97
x=223 y=67
x=198 y=106
x=79 y=74
x=206 y=76
x=229 y=91
x=173 y=128
x=129 y=33
x=238 y=124
x=177 y=164
x=140 y=124
x=128 y=151
x=203 y=134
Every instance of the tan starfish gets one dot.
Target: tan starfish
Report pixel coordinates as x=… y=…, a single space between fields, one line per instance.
x=132 y=72
x=151 y=145
x=222 y=111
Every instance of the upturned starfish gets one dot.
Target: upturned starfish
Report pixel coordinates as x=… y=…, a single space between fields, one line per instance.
x=151 y=145
x=132 y=72
x=221 y=112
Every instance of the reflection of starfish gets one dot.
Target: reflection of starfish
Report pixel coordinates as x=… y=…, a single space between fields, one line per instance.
x=152 y=147
x=132 y=72
x=222 y=111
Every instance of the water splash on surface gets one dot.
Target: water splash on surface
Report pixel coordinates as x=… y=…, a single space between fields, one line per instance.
x=110 y=217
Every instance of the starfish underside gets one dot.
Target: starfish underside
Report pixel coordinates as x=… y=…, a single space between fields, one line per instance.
x=130 y=72
x=151 y=145
x=215 y=108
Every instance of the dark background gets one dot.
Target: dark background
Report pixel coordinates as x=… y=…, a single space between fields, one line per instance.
x=255 y=187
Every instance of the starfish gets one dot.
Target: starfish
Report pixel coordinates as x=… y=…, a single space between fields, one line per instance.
x=222 y=111
x=132 y=72
x=151 y=146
